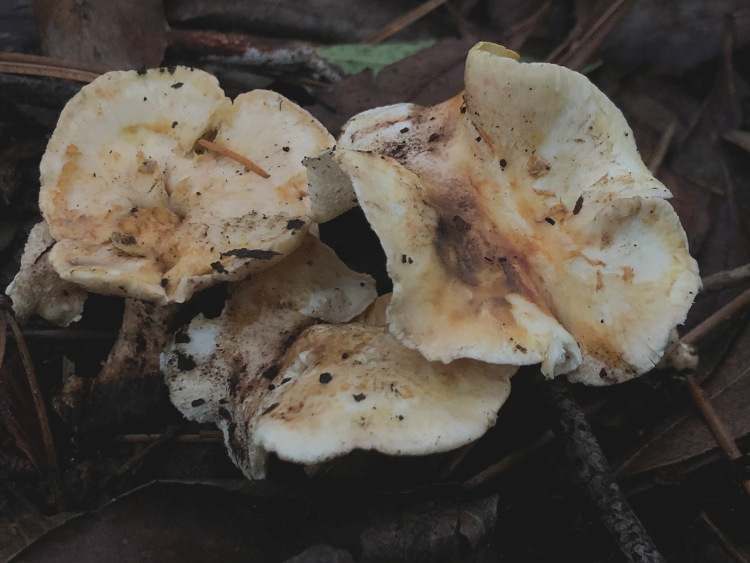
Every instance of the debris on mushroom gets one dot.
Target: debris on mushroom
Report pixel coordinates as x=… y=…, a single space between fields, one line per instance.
x=37 y=289
x=354 y=386
x=218 y=369
x=520 y=224
x=156 y=185
x=278 y=373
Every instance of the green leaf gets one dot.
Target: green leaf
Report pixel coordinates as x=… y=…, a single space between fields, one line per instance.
x=352 y=59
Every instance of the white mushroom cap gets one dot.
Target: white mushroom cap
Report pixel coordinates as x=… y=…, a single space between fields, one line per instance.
x=219 y=369
x=37 y=289
x=520 y=224
x=276 y=379
x=138 y=211
x=354 y=386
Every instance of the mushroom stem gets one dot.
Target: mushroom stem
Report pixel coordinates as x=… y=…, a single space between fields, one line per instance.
x=229 y=153
x=591 y=473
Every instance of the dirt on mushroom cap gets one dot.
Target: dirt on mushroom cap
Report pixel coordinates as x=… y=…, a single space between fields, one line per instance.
x=220 y=369
x=521 y=226
x=138 y=211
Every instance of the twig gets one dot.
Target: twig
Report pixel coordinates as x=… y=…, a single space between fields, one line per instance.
x=522 y=453
x=68 y=334
x=728 y=545
x=580 y=50
x=18 y=63
x=663 y=146
x=508 y=461
x=515 y=37
x=727 y=278
x=714 y=320
x=131 y=463
x=591 y=472
x=739 y=138
x=714 y=423
x=203 y=437
x=41 y=409
x=224 y=151
x=404 y=21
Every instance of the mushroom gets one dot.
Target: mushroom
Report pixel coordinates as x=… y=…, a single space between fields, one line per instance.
x=156 y=185
x=520 y=224
x=38 y=290
x=278 y=372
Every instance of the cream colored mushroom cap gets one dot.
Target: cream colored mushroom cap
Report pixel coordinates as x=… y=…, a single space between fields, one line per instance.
x=521 y=226
x=220 y=369
x=355 y=386
x=140 y=211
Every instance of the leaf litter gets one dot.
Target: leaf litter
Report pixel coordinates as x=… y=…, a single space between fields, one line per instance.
x=706 y=175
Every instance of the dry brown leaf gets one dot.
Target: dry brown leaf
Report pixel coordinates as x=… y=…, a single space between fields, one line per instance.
x=426 y=78
x=119 y=34
x=687 y=436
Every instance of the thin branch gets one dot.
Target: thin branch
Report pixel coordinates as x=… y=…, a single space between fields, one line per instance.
x=508 y=461
x=714 y=320
x=727 y=278
x=203 y=437
x=728 y=545
x=19 y=63
x=714 y=423
x=522 y=453
x=591 y=473
x=168 y=435
x=41 y=410
x=663 y=146
x=580 y=49
x=229 y=153
x=404 y=21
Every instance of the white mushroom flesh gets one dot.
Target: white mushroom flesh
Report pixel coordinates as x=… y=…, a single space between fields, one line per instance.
x=37 y=289
x=139 y=209
x=521 y=226
x=220 y=369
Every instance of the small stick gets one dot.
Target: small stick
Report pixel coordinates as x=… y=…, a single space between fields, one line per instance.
x=508 y=461
x=168 y=435
x=41 y=410
x=727 y=278
x=224 y=151
x=728 y=545
x=520 y=454
x=21 y=63
x=406 y=20
x=714 y=320
x=204 y=437
x=591 y=473
x=714 y=423
x=663 y=146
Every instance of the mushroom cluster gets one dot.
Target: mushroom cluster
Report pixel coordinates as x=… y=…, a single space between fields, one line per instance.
x=519 y=224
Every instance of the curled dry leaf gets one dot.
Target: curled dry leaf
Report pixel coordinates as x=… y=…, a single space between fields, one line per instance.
x=520 y=224
x=37 y=289
x=140 y=209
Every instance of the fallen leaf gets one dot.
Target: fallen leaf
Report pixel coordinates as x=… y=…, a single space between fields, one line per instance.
x=330 y=21
x=183 y=522
x=676 y=35
x=431 y=76
x=686 y=436
x=118 y=34
x=355 y=58
x=18 y=412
